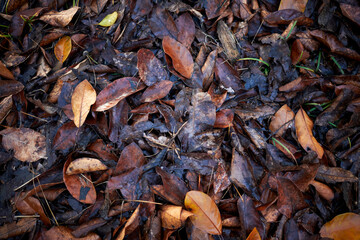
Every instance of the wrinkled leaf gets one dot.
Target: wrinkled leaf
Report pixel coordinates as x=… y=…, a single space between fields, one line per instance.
x=335 y=175
x=28 y=145
x=83 y=97
x=59 y=19
x=63 y=48
x=304 y=126
x=83 y=165
x=206 y=214
x=109 y=20
x=342 y=227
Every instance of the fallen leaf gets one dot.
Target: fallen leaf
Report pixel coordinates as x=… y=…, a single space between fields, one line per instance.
x=281 y=121
x=186 y=28
x=10 y=87
x=64 y=233
x=304 y=126
x=62 y=49
x=156 y=91
x=4 y=72
x=335 y=175
x=109 y=20
x=173 y=217
x=206 y=214
x=83 y=165
x=59 y=19
x=162 y=23
x=131 y=224
x=83 y=97
x=323 y=190
x=298 y=5
x=224 y=118
x=116 y=91
x=254 y=235
x=65 y=136
x=351 y=12
x=342 y=227
x=17 y=228
x=28 y=145
x=180 y=56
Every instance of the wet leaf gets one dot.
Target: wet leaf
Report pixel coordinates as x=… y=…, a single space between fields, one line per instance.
x=62 y=233
x=131 y=157
x=59 y=19
x=83 y=97
x=28 y=145
x=214 y=8
x=254 y=235
x=334 y=175
x=115 y=92
x=224 y=118
x=285 y=16
x=304 y=126
x=281 y=121
x=227 y=75
x=66 y=136
x=63 y=48
x=150 y=68
x=180 y=56
x=298 y=52
x=79 y=185
x=17 y=228
x=109 y=20
x=186 y=29
x=131 y=224
x=10 y=87
x=157 y=91
x=83 y=165
x=162 y=24
x=298 y=5
x=342 y=227
x=206 y=214
x=4 y=72
x=351 y=12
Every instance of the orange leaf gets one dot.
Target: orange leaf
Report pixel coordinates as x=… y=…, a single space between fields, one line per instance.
x=173 y=217
x=280 y=121
x=82 y=165
x=63 y=48
x=206 y=213
x=304 y=126
x=342 y=227
x=131 y=224
x=298 y=5
x=254 y=235
x=323 y=190
x=83 y=97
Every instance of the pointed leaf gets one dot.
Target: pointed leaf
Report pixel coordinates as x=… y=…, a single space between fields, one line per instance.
x=304 y=126
x=206 y=213
x=131 y=224
x=83 y=165
x=254 y=235
x=109 y=20
x=63 y=48
x=281 y=120
x=342 y=227
x=59 y=19
x=83 y=97
x=157 y=91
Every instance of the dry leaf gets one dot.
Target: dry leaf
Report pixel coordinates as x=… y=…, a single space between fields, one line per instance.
x=59 y=19
x=304 y=126
x=109 y=20
x=83 y=97
x=63 y=48
x=131 y=224
x=206 y=214
x=298 y=5
x=28 y=145
x=82 y=165
x=20 y=227
x=323 y=190
x=64 y=233
x=281 y=120
x=173 y=217
x=342 y=227
x=254 y=235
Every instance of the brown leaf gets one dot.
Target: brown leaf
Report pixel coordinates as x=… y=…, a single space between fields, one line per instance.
x=131 y=157
x=157 y=91
x=162 y=24
x=150 y=68
x=221 y=179
x=227 y=40
x=28 y=145
x=65 y=137
x=83 y=165
x=281 y=121
x=88 y=226
x=186 y=29
x=6 y=105
x=206 y=214
x=10 y=87
x=116 y=91
x=351 y=12
x=62 y=49
x=180 y=56
x=254 y=235
x=224 y=118
x=304 y=126
x=341 y=227
x=80 y=185
x=83 y=97
x=64 y=233
x=173 y=217
x=298 y=52
x=285 y=16
x=59 y=19
x=323 y=190
x=4 y=72
x=214 y=8
x=227 y=75
x=334 y=175
x=298 y=5
x=17 y=228
x=131 y=224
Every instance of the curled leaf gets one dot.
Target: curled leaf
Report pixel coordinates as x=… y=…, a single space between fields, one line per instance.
x=109 y=20
x=82 y=165
x=206 y=214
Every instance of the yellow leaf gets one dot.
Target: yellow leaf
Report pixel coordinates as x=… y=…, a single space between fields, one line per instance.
x=63 y=48
x=206 y=214
x=304 y=126
x=83 y=97
x=109 y=20
x=342 y=227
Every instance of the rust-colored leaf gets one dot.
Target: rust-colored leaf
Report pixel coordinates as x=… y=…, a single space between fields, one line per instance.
x=65 y=136
x=28 y=145
x=180 y=56
x=351 y=12
x=156 y=91
x=131 y=224
x=173 y=217
x=224 y=118
x=16 y=228
x=206 y=214
x=323 y=190
x=254 y=235
x=304 y=126
x=4 y=72
x=64 y=233
x=116 y=91
x=59 y=19
x=281 y=120
x=63 y=48
x=83 y=97
x=298 y=5
x=298 y=52
x=83 y=165
x=79 y=185
x=10 y=87
x=342 y=227
x=162 y=24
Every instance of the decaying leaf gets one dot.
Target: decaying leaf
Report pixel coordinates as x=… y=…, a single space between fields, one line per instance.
x=131 y=224
x=173 y=217
x=59 y=19
x=83 y=165
x=20 y=227
x=63 y=48
x=62 y=233
x=157 y=91
x=304 y=126
x=28 y=145
x=83 y=97
x=206 y=214
x=109 y=20
x=342 y=227
x=298 y=5
x=281 y=120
